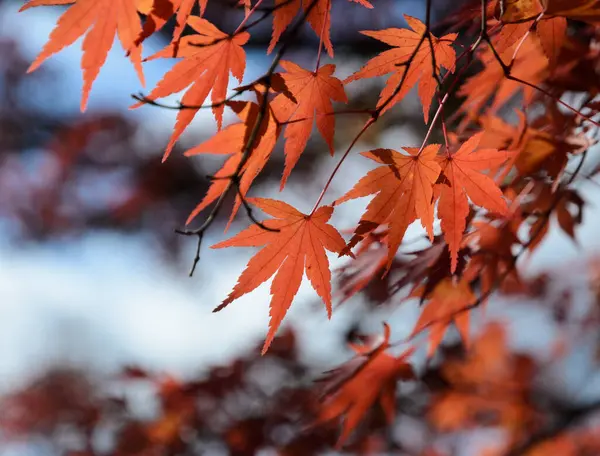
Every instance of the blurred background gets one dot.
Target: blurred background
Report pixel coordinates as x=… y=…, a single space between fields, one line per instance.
x=93 y=279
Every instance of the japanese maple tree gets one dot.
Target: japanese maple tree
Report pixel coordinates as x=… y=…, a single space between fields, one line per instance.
x=507 y=92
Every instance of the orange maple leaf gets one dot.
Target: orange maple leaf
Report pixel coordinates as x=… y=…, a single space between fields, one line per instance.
x=404 y=192
x=492 y=258
x=313 y=92
x=232 y=140
x=353 y=388
x=395 y=61
x=512 y=11
x=464 y=179
x=551 y=32
x=209 y=57
x=299 y=245
x=447 y=303
x=577 y=10
x=489 y=380
x=530 y=65
x=103 y=19
x=163 y=10
x=319 y=19
x=160 y=11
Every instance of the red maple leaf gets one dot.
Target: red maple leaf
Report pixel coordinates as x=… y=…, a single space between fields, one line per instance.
x=448 y=302
x=420 y=67
x=319 y=19
x=353 y=388
x=551 y=32
x=163 y=10
x=404 y=192
x=299 y=245
x=524 y=10
x=465 y=180
x=492 y=84
x=313 y=92
x=104 y=19
x=209 y=57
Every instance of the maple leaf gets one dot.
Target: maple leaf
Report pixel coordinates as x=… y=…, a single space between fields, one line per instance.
x=447 y=303
x=578 y=10
x=298 y=246
x=162 y=10
x=565 y=204
x=353 y=388
x=547 y=143
x=511 y=11
x=542 y=145
x=319 y=19
x=492 y=254
x=551 y=32
x=233 y=140
x=462 y=171
x=530 y=65
x=427 y=269
x=488 y=380
x=313 y=92
x=209 y=57
x=420 y=67
x=358 y=274
x=103 y=19
x=404 y=192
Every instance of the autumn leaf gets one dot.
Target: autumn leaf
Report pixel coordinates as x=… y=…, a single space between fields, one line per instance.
x=298 y=246
x=366 y=268
x=99 y=21
x=163 y=10
x=233 y=140
x=465 y=180
x=492 y=245
x=319 y=19
x=546 y=203
x=577 y=10
x=542 y=145
x=488 y=380
x=404 y=192
x=511 y=11
x=491 y=84
x=551 y=33
x=313 y=92
x=448 y=303
x=420 y=68
x=352 y=389
x=208 y=58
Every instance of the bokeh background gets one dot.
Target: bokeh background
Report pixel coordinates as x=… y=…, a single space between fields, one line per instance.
x=92 y=275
